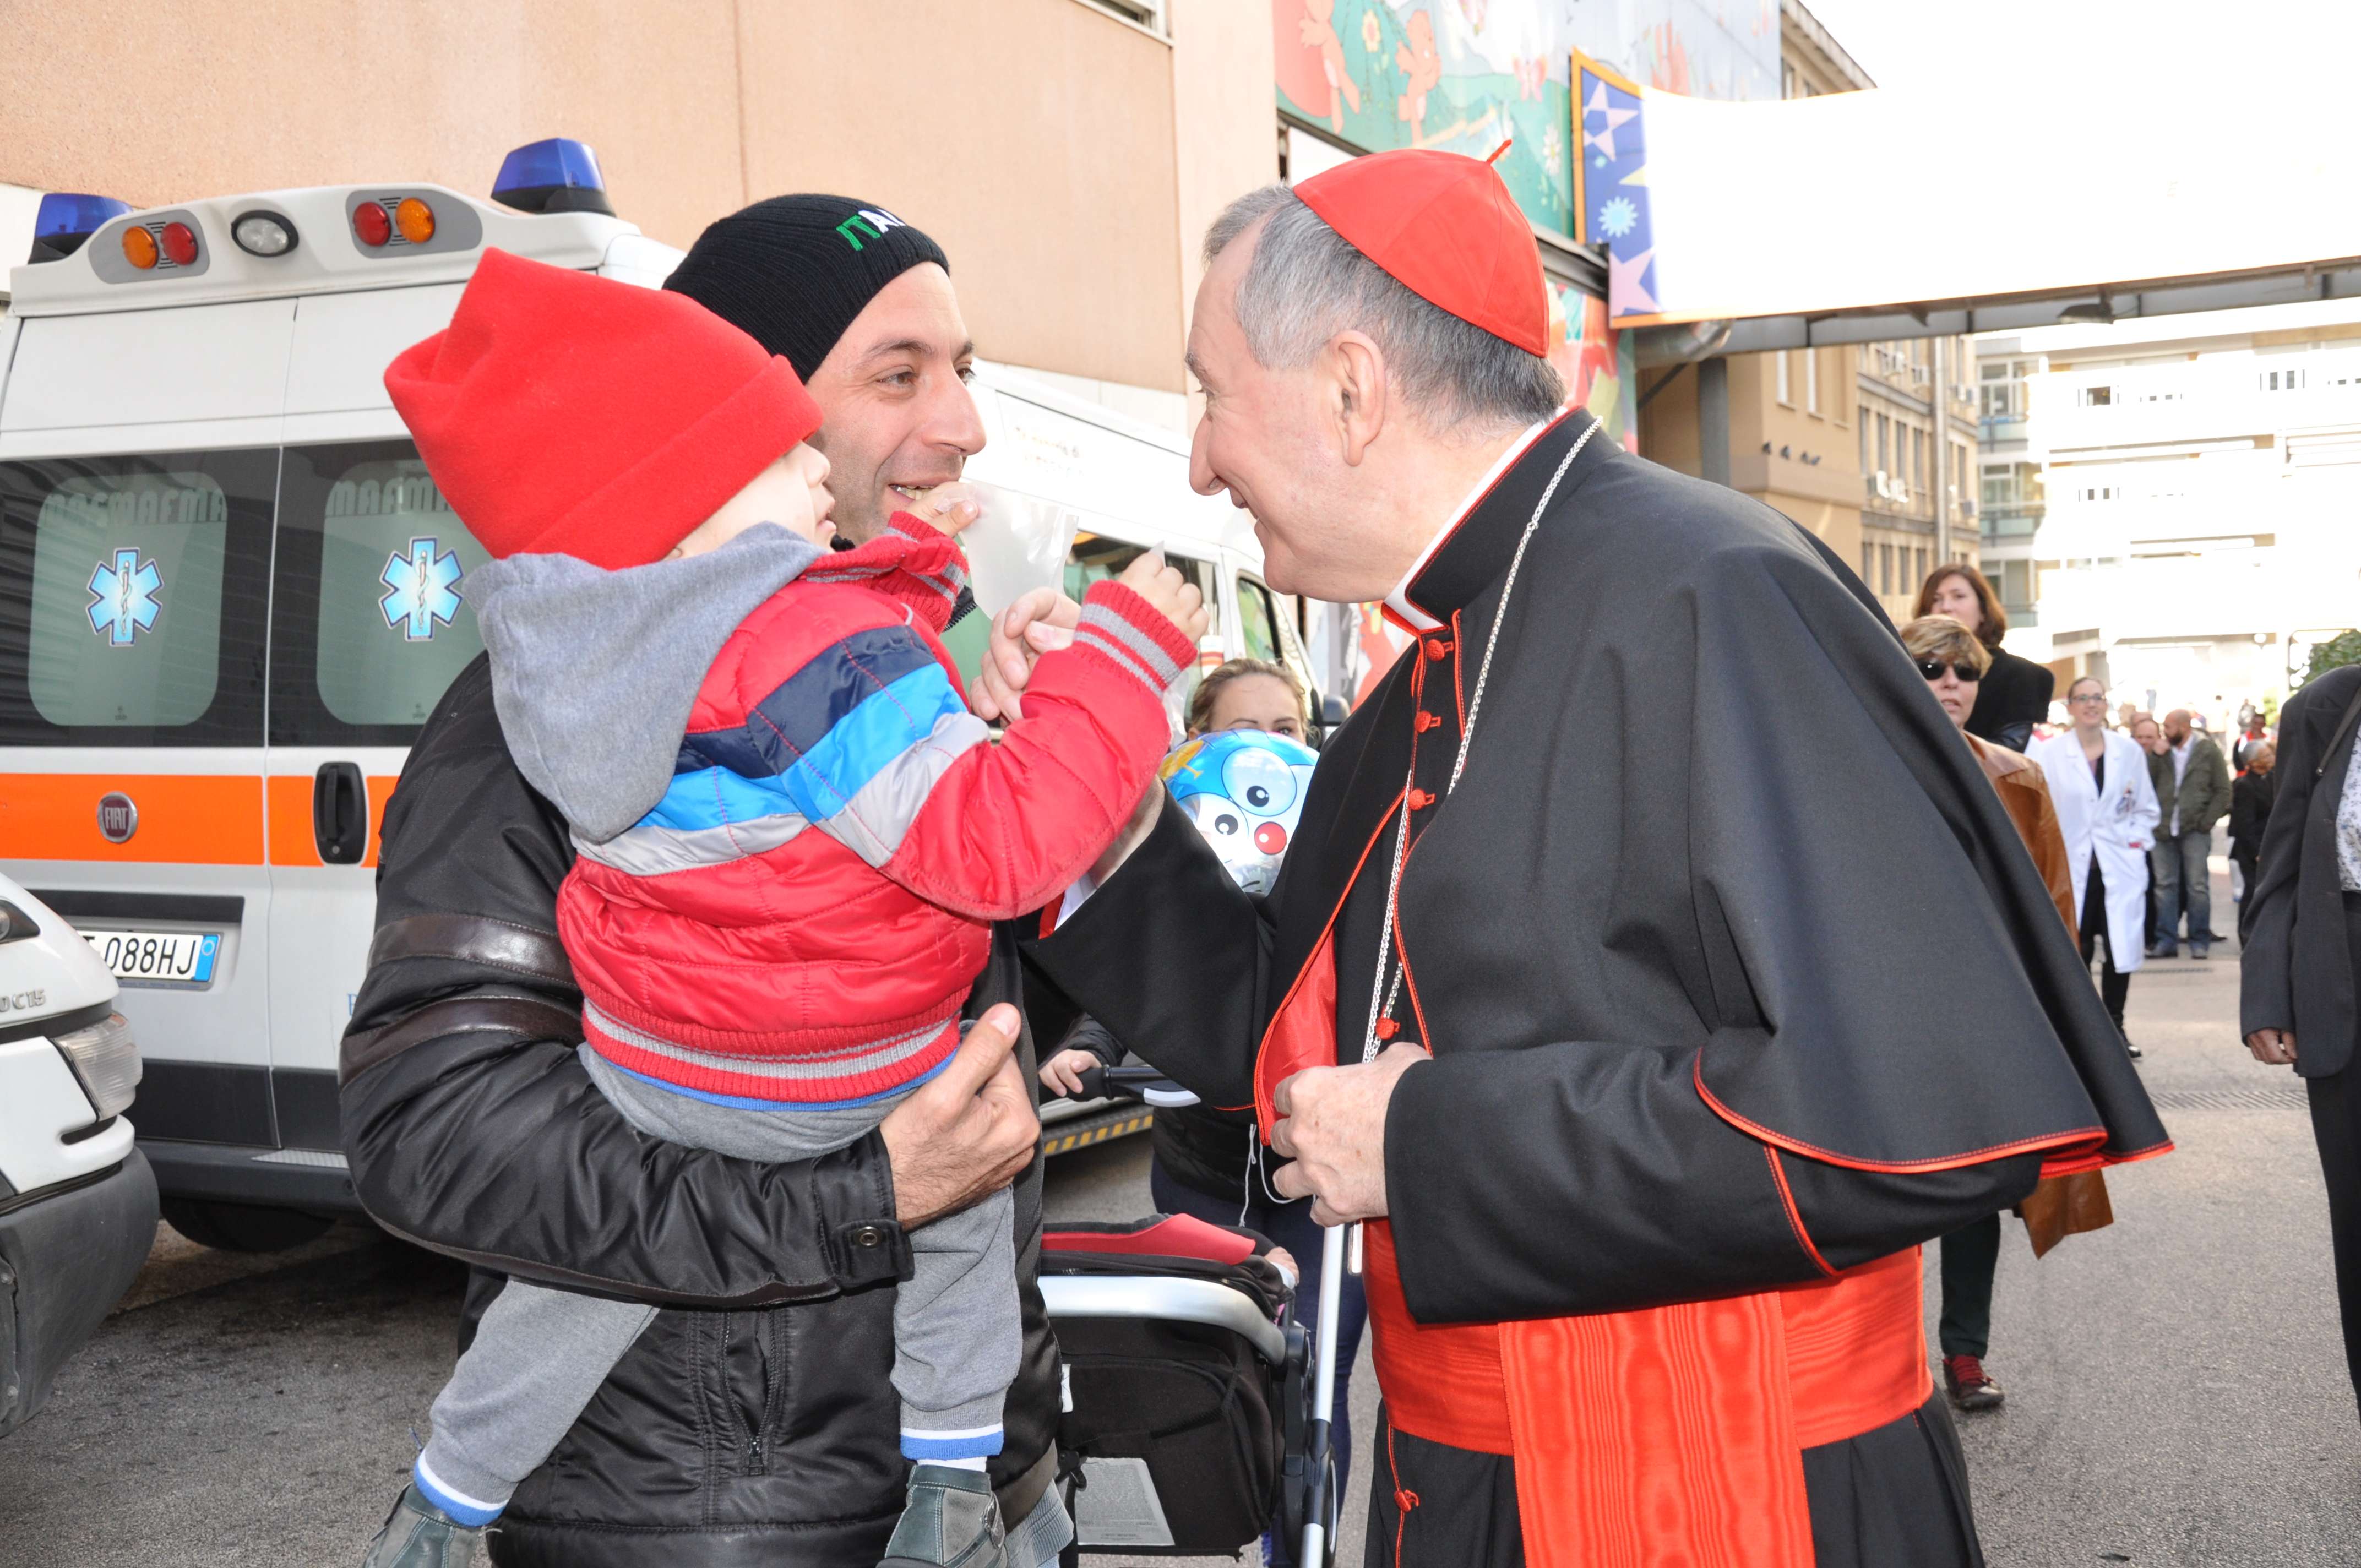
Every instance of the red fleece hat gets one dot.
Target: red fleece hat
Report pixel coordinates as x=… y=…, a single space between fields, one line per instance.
x=1445 y=227
x=565 y=414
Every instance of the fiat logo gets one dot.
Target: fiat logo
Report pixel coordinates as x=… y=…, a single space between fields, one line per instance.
x=117 y=817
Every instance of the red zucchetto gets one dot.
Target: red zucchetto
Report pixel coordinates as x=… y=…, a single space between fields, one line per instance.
x=1444 y=227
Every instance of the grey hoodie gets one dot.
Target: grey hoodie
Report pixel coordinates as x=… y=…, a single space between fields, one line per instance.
x=595 y=672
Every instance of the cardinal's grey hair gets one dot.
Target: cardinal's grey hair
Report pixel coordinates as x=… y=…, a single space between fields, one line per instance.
x=1305 y=283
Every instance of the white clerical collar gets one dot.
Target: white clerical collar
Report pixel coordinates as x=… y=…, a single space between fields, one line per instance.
x=1397 y=602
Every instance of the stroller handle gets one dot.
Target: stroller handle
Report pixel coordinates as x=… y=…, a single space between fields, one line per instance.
x=1143 y=1084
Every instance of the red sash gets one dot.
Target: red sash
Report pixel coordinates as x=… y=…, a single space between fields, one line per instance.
x=1670 y=1437
x=1673 y=1436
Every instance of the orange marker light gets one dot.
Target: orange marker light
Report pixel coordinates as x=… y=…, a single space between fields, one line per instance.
x=139 y=248
x=415 y=219
x=181 y=243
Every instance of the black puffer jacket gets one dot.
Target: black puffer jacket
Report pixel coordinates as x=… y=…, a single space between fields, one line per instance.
x=754 y=1424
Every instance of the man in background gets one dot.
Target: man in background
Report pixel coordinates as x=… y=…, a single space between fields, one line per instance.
x=2193 y=792
x=2251 y=798
x=2148 y=735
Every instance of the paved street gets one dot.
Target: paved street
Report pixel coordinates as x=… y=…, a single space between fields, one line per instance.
x=2176 y=1394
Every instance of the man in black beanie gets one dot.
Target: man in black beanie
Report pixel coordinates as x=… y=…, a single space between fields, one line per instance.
x=754 y=1420
x=860 y=304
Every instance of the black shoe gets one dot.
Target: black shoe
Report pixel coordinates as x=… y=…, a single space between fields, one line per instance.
x=2130 y=1049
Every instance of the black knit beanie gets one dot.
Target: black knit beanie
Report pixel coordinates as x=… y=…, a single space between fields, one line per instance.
x=792 y=272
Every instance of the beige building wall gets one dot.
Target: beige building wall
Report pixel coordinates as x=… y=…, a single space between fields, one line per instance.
x=1041 y=141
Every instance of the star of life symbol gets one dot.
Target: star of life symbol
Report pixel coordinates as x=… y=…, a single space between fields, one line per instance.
x=423 y=589
x=123 y=598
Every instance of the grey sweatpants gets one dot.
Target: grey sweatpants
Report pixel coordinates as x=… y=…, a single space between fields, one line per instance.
x=539 y=1354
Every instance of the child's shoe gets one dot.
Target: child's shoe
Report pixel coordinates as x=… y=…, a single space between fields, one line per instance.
x=953 y=1520
x=417 y=1535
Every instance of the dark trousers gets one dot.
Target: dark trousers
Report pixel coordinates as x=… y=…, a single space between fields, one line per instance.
x=1970 y=1254
x=2245 y=859
x=2336 y=1127
x=1289 y=1225
x=2114 y=985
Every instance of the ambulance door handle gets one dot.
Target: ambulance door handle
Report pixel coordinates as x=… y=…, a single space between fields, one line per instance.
x=340 y=813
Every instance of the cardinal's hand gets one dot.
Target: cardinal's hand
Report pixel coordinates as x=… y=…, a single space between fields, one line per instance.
x=1333 y=1127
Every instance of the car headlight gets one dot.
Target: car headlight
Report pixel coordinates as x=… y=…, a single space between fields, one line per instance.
x=15 y=924
x=107 y=1059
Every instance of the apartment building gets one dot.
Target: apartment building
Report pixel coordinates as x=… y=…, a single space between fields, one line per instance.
x=1917 y=437
x=2175 y=497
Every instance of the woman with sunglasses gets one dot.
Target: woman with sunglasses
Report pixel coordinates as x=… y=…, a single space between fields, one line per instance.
x=1954 y=662
x=2098 y=778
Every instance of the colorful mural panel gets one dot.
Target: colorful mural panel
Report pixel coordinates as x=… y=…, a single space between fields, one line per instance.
x=1462 y=75
x=1465 y=74
x=1599 y=364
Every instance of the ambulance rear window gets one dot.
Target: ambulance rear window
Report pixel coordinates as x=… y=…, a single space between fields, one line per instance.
x=132 y=592
x=371 y=619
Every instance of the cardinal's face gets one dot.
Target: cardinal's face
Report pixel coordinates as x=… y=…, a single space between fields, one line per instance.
x=1267 y=438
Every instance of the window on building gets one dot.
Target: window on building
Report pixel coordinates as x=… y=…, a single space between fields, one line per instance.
x=1148 y=14
x=1918 y=460
x=2280 y=380
x=1811 y=381
x=1885 y=425
x=2098 y=397
x=1885 y=568
x=1864 y=447
x=1867 y=563
x=1922 y=567
x=1780 y=376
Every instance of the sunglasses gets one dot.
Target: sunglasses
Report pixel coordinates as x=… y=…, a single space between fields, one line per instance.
x=1933 y=670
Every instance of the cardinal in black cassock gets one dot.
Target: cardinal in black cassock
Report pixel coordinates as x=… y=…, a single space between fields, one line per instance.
x=1690 y=920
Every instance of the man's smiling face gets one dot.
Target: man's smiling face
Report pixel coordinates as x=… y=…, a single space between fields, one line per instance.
x=895 y=414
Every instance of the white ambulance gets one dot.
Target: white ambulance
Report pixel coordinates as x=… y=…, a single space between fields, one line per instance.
x=230 y=594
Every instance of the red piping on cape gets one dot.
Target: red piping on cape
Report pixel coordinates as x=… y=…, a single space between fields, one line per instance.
x=1795 y=1219
x=1907 y=1167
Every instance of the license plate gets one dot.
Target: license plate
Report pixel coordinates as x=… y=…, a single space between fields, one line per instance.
x=160 y=957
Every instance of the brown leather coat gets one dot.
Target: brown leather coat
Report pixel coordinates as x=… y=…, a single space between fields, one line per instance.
x=2025 y=795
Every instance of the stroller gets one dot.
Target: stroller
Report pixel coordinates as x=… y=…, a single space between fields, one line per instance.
x=1197 y=1407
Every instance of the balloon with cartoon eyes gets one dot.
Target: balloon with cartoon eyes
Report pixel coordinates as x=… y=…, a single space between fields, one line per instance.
x=1243 y=789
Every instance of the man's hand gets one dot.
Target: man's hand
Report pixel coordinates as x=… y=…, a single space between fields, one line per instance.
x=1333 y=1127
x=1034 y=624
x=968 y=1132
x=1174 y=596
x=946 y=509
x=2272 y=1048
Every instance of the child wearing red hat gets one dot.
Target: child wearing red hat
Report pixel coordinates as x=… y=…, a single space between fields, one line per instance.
x=791 y=834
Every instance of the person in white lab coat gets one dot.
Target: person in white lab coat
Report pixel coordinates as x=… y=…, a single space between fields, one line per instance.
x=2106 y=808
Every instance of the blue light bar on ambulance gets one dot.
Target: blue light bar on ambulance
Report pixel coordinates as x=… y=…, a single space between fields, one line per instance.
x=560 y=175
x=65 y=220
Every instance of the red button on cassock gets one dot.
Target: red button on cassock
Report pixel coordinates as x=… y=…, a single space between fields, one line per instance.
x=1427 y=721
x=1438 y=647
x=1421 y=799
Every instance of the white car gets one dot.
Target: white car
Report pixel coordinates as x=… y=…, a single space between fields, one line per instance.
x=77 y=1200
